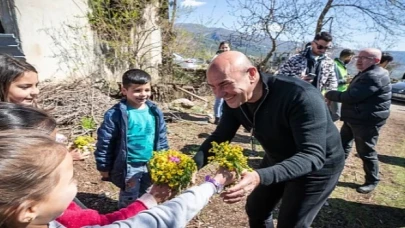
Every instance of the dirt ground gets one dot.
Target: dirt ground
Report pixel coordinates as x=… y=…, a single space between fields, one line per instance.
x=385 y=207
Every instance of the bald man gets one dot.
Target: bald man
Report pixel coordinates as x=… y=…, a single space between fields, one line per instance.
x=365 y=109
x=288 y=116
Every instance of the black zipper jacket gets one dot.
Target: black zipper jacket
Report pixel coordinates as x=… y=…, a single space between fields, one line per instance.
x=367 y=100
x=293 y=125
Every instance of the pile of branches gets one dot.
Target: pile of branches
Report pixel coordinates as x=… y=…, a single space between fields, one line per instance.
x=70 y=102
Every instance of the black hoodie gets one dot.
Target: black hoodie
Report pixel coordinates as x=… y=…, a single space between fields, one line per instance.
x=293 y=125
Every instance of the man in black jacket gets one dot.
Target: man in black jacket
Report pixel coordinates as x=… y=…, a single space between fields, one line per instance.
x=365 y=109
x=304 y=156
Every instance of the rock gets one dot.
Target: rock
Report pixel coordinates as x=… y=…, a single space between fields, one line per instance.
x=183 y=102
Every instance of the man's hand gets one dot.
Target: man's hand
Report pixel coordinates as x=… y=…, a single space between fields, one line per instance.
x=328 y=102
x=162 y=192
x=105 y=176
x=250 y=180
x=307 y=79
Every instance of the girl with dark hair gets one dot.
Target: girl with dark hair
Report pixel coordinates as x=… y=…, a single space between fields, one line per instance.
x=15 y=116
x=19 y=85
x=18 y=81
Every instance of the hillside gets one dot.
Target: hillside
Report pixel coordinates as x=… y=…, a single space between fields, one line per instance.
x=211 y=37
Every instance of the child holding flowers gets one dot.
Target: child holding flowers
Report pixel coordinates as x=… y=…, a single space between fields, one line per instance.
x=50 y=187
x=130 y=132
x=14 y=116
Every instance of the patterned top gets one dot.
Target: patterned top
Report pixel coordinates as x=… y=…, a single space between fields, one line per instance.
x=295 y=65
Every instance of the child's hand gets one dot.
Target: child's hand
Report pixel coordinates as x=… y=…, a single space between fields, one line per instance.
x=194 y=177
x=162 y=192
x=105 y=176
x=225 y=177
x=79 y=156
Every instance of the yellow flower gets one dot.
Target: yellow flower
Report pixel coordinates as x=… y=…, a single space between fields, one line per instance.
x=84 y=141
x=229 y=156
x=173 y=168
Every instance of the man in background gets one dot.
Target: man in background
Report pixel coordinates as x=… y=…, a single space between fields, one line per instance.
x=313 y=65
x=386 y=59
x=345 y=57
x=365 y=109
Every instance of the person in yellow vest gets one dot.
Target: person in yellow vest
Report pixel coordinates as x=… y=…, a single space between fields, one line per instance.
x=345 y=57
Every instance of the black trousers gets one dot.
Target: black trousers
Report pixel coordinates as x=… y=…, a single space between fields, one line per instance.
x=302 y=198
x=366 y=138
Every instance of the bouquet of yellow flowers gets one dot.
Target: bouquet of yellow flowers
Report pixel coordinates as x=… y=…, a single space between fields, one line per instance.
x=173 y=168
x=229 y=157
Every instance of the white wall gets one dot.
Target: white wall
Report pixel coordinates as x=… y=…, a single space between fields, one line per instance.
x=53 y=34
x=56 y=38
x=153 y=41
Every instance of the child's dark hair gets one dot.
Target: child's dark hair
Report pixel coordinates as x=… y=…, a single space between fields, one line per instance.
x=10 y=69
x=28 y=160
x=15 y=116
x=135 y=76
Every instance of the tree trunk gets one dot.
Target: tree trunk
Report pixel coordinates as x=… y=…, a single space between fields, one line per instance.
x=262 y=64
x=167 y=38
x=319 y=23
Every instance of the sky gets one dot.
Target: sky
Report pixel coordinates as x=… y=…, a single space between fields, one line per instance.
x=215 y=13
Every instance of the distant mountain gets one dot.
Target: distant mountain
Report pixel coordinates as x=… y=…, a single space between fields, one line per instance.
x=211 y=37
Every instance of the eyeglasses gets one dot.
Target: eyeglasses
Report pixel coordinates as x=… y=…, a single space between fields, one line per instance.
x=321 y=47
x=363 y=58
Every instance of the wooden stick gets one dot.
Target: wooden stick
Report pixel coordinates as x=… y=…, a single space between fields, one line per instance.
x=192 y=94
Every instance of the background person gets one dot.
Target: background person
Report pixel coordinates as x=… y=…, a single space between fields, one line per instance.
x=365 y=109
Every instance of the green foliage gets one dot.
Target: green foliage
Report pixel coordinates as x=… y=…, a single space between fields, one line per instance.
x=191 y=45
x=192 y=77
x=111 y=17
x=118 y=25
x=88 y=123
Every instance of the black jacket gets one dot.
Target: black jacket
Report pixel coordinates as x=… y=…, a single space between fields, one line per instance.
x=368 y=98
x=292 y=124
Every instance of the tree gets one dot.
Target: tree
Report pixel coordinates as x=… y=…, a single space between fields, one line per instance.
x=381 y=18
x=274 y=20
x=125 y=31
x=295 y=19
x=168 y=34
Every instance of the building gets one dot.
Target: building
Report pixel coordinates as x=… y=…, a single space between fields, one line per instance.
x=56 y=37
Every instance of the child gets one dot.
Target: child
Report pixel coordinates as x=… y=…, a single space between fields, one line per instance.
x=44 y=186
x=13 y=116
x=130 y=132
x=18 y=81
x=19 y=85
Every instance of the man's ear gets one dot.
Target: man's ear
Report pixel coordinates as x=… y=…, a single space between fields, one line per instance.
x=27 y=212
x=252 y=74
